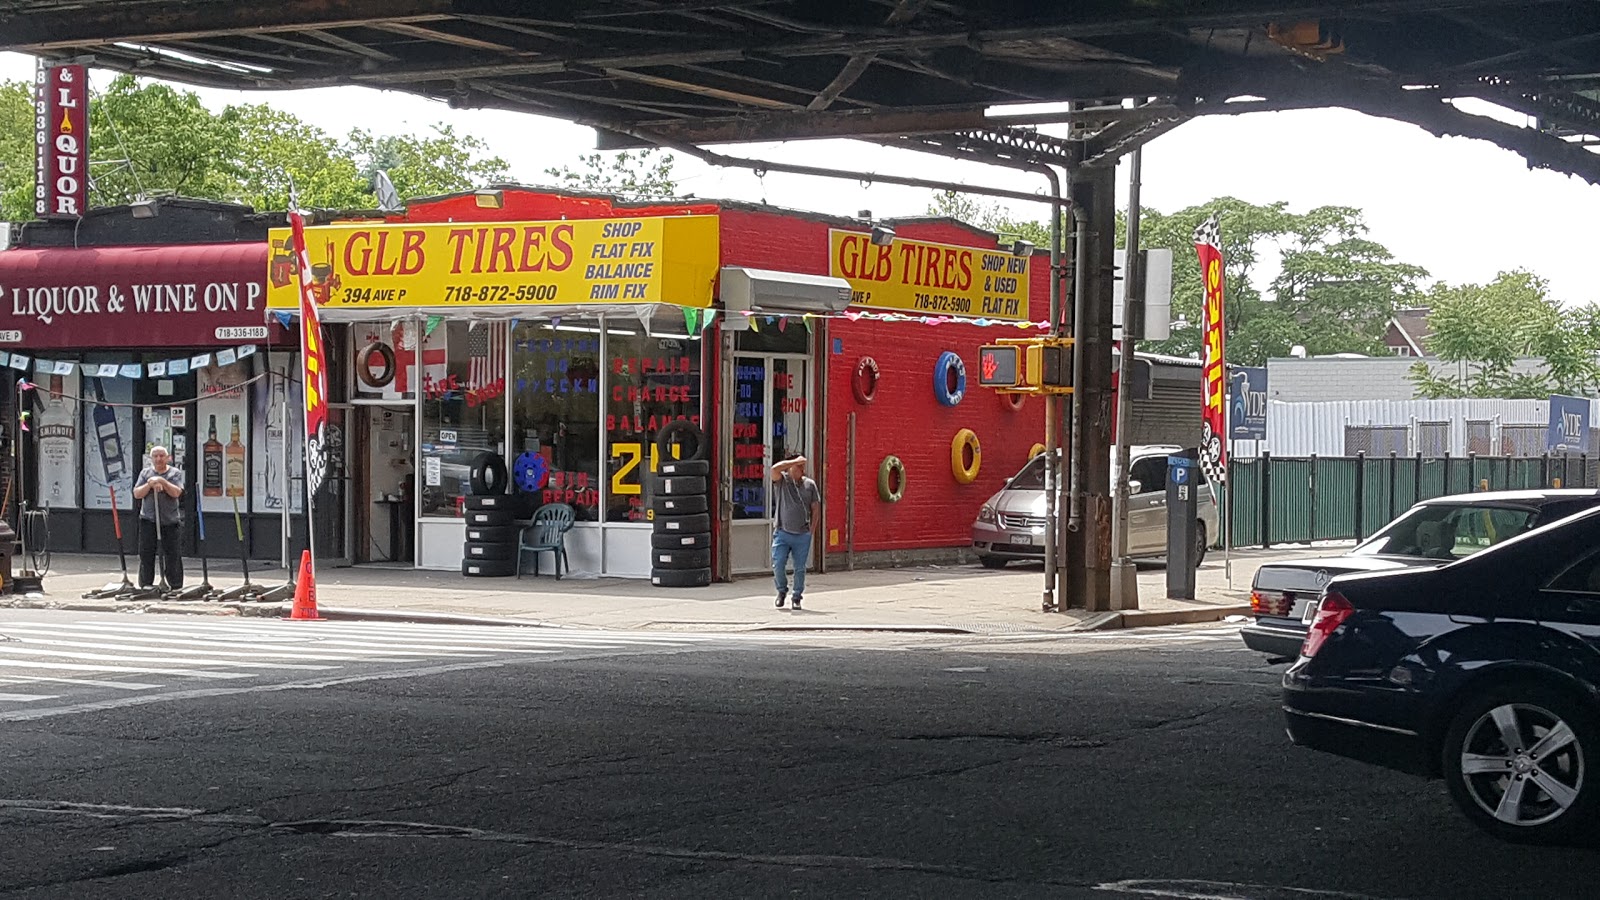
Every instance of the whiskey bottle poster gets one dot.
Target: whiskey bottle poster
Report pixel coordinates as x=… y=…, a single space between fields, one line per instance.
x=109 y=453
x=277 y=411
x=57 y=441
x=223 y=400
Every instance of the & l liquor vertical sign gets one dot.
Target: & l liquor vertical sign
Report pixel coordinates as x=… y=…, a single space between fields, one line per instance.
x=61 y=140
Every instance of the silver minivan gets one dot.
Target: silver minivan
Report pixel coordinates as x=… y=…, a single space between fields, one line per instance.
x=1010 y=524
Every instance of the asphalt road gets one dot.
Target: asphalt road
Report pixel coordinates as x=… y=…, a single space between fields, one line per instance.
x=1132 y=765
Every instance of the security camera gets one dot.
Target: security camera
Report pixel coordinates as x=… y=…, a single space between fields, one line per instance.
x=882 y=235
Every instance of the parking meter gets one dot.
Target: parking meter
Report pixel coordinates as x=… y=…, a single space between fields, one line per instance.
x=1182 y=505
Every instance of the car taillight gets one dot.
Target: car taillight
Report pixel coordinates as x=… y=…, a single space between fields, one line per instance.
x=1271 y=604
x=1331 y=613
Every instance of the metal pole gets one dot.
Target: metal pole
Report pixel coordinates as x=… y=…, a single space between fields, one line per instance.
x=283 y=468
x=1124 y=577
x=1052 y=463
x=850 y=498
x=1080 y=264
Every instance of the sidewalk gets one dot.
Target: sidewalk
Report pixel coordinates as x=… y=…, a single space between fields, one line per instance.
x=956 y=599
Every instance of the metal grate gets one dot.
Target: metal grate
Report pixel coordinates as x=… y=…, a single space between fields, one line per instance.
x=1522 y=440
x=1011 y=521
x=1433 y=438
x=1480 y=437
x=1377 y=440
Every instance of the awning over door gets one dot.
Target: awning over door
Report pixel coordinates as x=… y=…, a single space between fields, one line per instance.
x=188 y=295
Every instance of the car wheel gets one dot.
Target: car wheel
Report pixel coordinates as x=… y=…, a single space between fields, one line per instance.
x=1201 y=542
x=992 y=562
x=1518 y=761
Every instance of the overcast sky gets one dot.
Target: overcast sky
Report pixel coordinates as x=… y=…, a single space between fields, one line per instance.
x=1461 y=209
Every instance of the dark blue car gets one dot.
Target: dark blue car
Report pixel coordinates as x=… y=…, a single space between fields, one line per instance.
x=1484 y=672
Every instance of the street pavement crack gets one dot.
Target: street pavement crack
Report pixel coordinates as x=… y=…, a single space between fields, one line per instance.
x=1054 y=739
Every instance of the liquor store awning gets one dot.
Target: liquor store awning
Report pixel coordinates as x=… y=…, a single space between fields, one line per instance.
x=189 y=295
x=378 y=271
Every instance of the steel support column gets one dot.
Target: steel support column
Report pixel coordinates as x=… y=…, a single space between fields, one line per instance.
x=1086 y=579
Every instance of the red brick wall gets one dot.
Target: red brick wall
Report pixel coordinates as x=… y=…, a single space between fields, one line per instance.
x=905 y=419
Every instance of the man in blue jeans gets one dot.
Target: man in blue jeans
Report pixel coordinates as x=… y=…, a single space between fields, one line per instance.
x=797 y=509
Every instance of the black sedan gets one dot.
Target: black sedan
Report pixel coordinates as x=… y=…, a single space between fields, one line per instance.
x=1284 y=594
x=1484 y=672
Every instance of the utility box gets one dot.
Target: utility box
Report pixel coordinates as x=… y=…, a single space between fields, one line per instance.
x=1183 y=486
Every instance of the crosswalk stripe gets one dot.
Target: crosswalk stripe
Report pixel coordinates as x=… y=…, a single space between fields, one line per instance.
x=85 y=682
x=356 y=641
x=27 y=665
x=26 y=698
x=198 y=638
x=111 y=657
x=252 y=654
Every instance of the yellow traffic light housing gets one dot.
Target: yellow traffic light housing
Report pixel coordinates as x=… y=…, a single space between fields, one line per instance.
x=1046 y=365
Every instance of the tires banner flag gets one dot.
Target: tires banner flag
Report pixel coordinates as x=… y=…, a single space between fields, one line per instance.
x=1213 y=372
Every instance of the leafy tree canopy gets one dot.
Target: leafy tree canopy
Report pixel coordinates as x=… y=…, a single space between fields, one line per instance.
x=151 y=138
x=629 y=174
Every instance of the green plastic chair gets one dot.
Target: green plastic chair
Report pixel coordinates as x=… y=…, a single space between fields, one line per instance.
x=547 y=533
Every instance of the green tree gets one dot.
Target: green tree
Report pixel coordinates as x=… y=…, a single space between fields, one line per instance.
x=1483 y=330
x=441 y=163
x=1334 y=292
x=629 y=174
x=151 y=139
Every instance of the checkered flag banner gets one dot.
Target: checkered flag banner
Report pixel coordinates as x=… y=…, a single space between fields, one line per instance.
x=1214 y=367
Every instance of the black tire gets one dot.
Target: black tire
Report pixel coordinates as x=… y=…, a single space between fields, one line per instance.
x=1202 y=543
x=675 y=541
x=488 y=568
x=695 y=524
x=1537 y=708
x=364 y=365
x=488 y=475
x=680 y=577
x=680 y=559
x=492 y=501
x=676 y=467
x=685 y=431
x=478 y=517
x=674 y=505
x=493 y=534
x=992 y=562
x=681 y=485
x=479 y=550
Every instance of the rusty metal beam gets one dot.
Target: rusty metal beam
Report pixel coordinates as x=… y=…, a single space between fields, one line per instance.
x=437 y=36
x=700 y=90
x=798 y=124
x=179 y=21
x=904 y=11
x=344 y=43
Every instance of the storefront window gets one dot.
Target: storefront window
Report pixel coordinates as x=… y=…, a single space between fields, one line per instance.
x=653 y=373
x=555 y=414
x=463 y=409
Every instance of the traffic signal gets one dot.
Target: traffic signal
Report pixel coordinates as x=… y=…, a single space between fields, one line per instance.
x=998 y=365
x=1049 y=365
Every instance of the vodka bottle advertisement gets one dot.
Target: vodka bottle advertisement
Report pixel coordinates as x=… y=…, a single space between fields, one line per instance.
x=277 y=414
x=109 y=453
x=57 y=441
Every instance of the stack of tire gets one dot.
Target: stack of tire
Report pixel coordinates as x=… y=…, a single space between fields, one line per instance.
x=680 y=506
x=491 y=547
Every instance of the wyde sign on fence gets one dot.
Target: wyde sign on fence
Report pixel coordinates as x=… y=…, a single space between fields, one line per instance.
x=61 y=142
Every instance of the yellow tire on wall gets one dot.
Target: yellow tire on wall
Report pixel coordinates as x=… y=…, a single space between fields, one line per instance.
x=1035 y=450
x=890 y=471
x=965 y=439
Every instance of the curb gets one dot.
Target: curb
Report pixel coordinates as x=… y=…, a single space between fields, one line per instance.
x=1139 y=618
x=906 y=629
x=267 y=611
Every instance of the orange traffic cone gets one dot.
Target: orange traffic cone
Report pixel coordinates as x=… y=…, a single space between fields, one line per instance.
x=305 y=592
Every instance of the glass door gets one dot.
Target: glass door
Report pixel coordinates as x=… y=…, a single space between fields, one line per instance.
x=333 y=501
x=771 y=417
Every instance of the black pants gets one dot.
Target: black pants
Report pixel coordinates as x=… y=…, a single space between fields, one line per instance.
x=171 y=553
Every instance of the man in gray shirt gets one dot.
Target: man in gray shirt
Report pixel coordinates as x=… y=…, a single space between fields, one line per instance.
x=158 y=489
x=797 y=509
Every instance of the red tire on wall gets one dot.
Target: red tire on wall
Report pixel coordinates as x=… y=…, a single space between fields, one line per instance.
x=864 y=384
